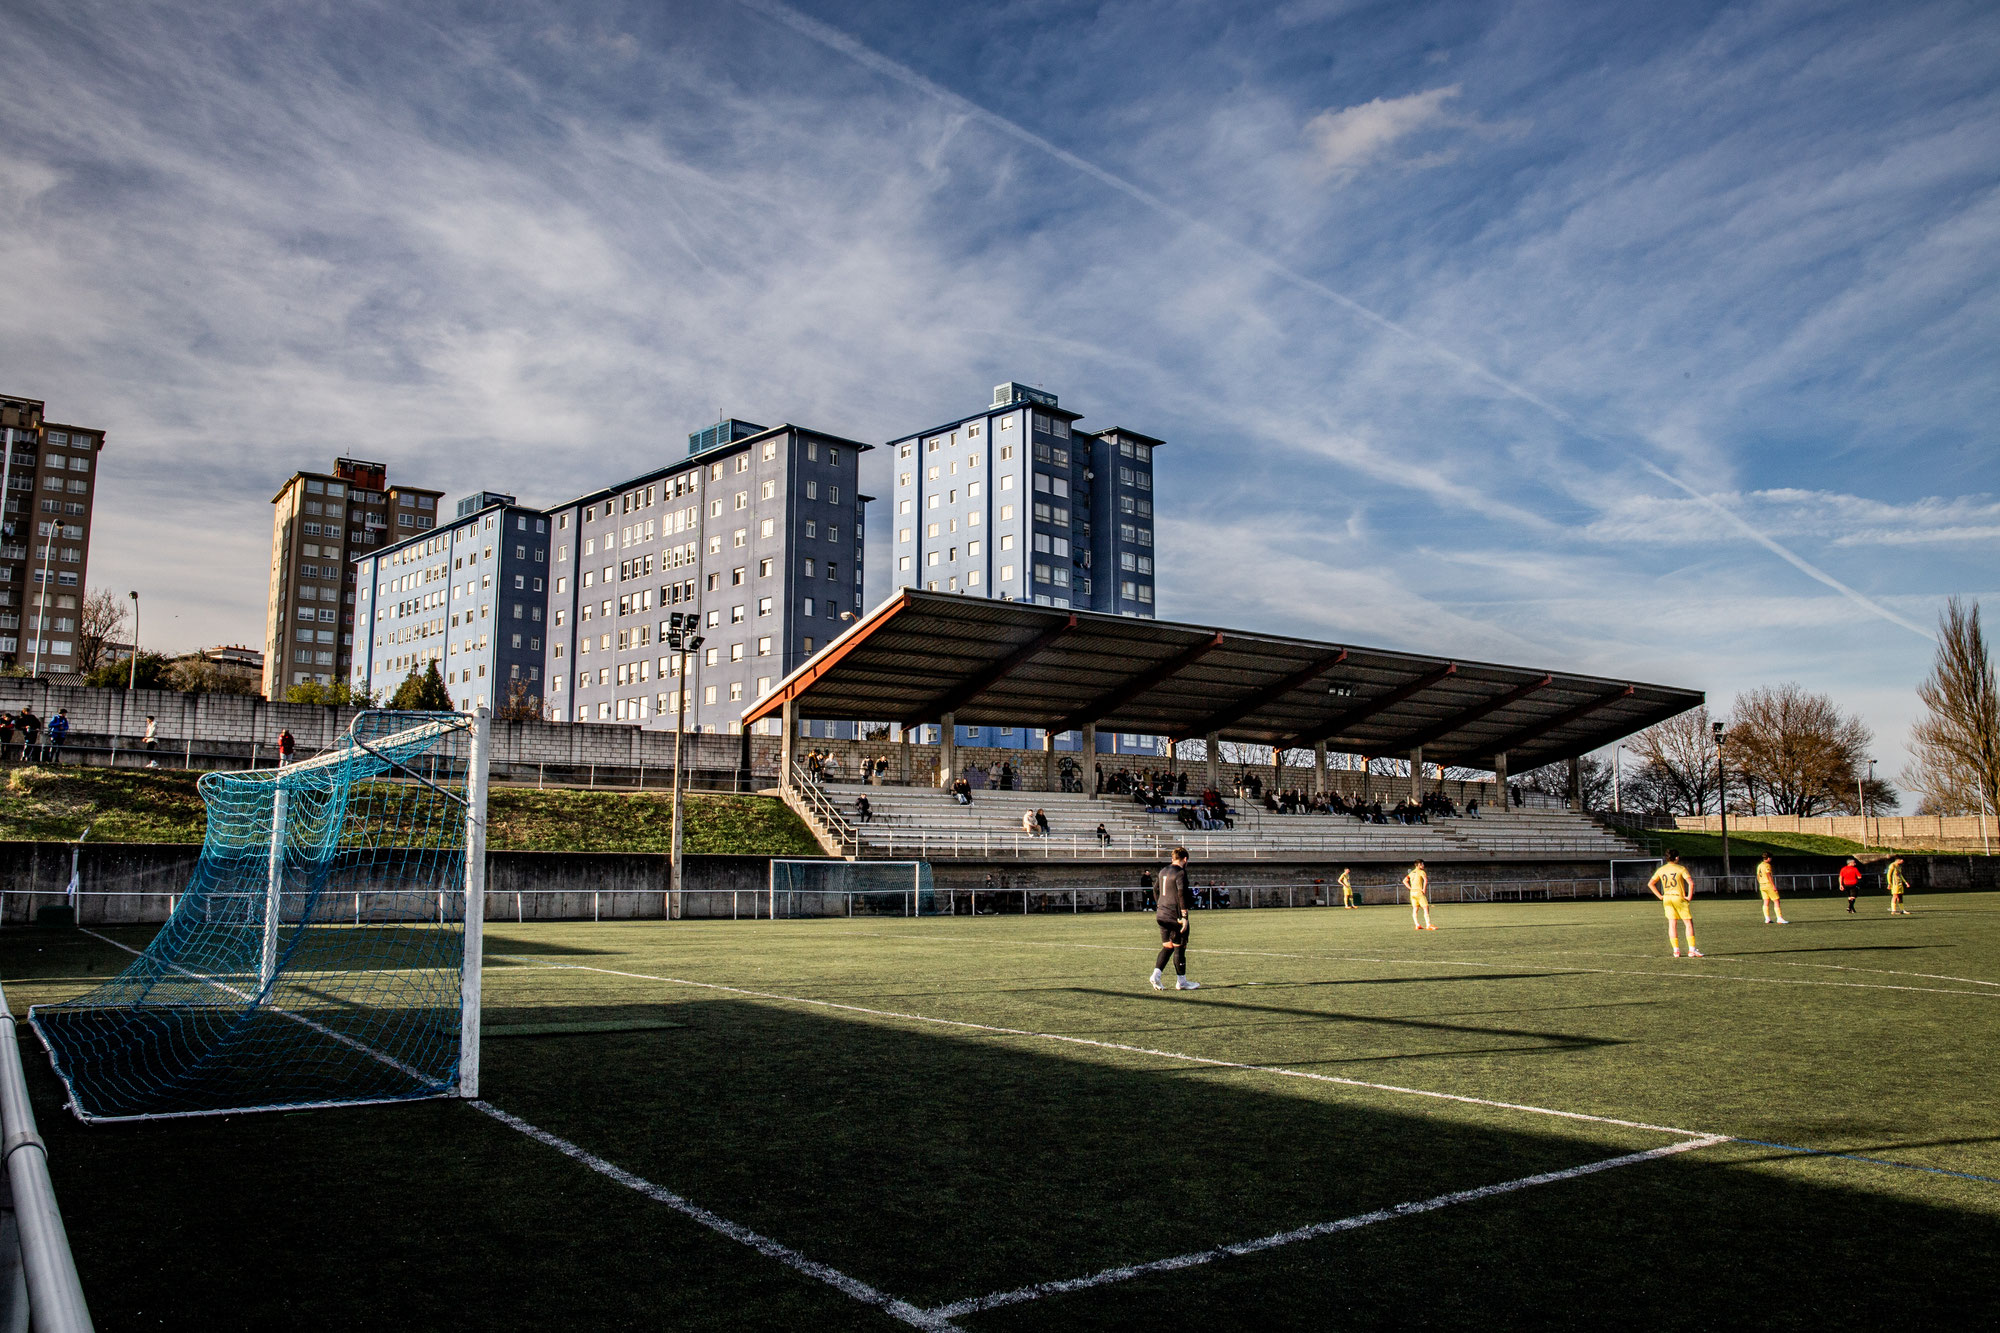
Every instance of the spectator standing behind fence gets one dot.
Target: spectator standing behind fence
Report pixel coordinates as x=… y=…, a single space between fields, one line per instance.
x=31 y=734
x=58 y=734
x=6 y=733
x=285 y=747
x=151 y=740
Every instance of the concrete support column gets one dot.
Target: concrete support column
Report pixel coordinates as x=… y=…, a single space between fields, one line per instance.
x=1214 y=761
x=947 y=749
x=1576 y=782
x=1501 y=802
x=1417 y=774
x=1319 y=769
x=906 y=756
x=788 y=715
x=1048 y=761
x=1367 y=778
x=1090 y=759
x=1277 y=770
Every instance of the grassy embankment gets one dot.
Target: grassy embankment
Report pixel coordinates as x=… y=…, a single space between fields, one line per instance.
x=163 y=805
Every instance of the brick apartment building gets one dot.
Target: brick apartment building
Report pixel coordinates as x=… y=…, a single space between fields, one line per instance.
x=50 y=485
x=322 y=522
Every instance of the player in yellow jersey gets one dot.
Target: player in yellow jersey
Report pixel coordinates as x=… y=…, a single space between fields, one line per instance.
x=1674 y=887
x=1418 y=882
x=1767 y=890
x=1898 y=886
x=1346 y=887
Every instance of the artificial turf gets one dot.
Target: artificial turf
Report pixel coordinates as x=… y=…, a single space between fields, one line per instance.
x=941 y=1162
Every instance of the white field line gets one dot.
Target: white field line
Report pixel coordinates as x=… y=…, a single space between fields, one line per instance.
x=1557 y=969
x=320 y=1028
x=1121 y=1046
x=1039 y=1290
x=722 y=1226
x=764 y=1245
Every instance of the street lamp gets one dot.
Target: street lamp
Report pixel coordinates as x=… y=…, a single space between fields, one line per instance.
x=1722 y=802
x=683 y=639
x=132 y=677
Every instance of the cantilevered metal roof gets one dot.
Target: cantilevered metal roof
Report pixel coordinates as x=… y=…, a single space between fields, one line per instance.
x=921 y=655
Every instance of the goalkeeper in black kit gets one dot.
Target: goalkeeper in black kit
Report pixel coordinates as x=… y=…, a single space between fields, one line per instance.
x=1174 y=900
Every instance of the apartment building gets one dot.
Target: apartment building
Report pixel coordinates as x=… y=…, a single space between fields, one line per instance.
x=1016 y=501
x=321 y=522
x=49 y=479
x=758 y=530
x=470 y=596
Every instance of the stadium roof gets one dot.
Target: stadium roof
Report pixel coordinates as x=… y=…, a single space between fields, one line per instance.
x=921 y=655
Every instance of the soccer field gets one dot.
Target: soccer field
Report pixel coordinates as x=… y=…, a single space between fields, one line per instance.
x=1532 y=1117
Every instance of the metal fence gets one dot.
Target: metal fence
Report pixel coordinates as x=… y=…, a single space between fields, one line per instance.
x=394 y=906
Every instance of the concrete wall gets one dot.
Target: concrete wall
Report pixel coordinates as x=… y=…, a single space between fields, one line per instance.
x=1883 y=830
x=239 y=731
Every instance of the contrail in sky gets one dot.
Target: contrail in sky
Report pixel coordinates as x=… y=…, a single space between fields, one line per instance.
x=836 y=40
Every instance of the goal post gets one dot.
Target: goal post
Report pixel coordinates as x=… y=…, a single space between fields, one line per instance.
x=471 y=965
x=326 y=948
x=804 y=888
x=1640 y=869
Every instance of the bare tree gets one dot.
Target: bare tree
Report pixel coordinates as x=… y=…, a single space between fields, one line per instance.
x=101 y=621
x=1677 y=764
x=1955 y=747
x=1796 y=750
x=520 y=706
x=1553 y=780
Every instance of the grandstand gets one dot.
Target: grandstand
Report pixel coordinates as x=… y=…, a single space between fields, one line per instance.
x=927 y=823
x=924 y=658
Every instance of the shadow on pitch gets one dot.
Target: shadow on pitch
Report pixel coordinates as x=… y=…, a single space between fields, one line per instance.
x=1552 y=1041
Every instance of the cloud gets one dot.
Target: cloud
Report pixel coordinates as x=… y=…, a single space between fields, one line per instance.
x=1345 y=141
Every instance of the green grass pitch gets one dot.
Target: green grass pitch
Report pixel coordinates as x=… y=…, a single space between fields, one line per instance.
x=938 y=1162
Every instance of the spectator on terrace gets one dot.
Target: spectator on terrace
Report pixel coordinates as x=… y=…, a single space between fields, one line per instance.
x=1103 y=836
x=6 y=733
x=1006 y=775
x=1100 y=779
x=1028 y=825
x=1042 y=822
x=961 y=791
x=864 y=813
x=1472 y=808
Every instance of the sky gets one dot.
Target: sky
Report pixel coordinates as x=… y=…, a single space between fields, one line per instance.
x=1653 y=341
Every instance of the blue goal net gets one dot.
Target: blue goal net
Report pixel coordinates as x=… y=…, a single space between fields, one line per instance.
x=317 y=955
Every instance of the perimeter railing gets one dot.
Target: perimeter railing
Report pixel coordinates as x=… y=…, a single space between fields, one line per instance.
x=42 y=1287
x=391 y=907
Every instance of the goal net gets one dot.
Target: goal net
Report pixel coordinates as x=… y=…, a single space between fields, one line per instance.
x=852 y=888
x=321 y=954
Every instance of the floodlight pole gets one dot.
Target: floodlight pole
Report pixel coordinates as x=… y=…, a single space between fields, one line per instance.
x=42 y=615
x=132 y=677
x=1617 y=779
x=1722 y=802
x=683 y=644
x=475 y=902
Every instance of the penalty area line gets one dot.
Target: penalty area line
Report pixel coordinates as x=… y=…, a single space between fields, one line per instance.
x=1040 y=1290
x=848 y=1286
